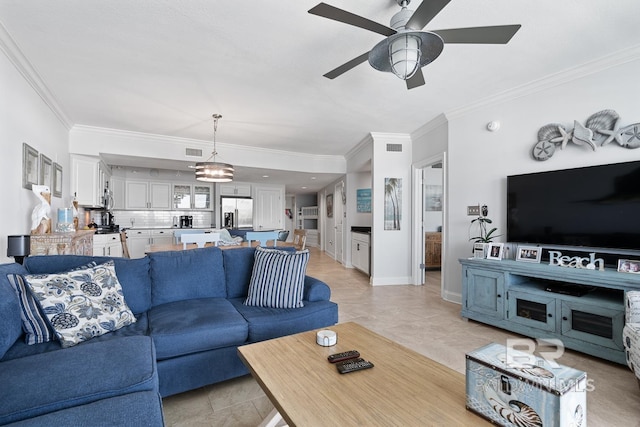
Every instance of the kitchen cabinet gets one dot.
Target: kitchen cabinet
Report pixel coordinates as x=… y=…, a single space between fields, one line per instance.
x=139 y=240
x=145 y=195
x=107 y=245
x=192 y=196
x=89 y=176
x=118 y=192
x=360 y=251
x=235 y=189
x=269 y=208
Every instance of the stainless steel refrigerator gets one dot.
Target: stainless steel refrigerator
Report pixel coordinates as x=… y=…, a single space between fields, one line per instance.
x=237 y=212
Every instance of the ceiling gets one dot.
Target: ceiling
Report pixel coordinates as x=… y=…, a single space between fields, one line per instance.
x=164 y=67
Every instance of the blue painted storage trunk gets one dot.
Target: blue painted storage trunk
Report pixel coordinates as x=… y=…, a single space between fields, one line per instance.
x=523 y=390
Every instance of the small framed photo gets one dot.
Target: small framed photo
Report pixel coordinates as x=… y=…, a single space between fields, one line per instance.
x=29 y=166
x=495 y=251
x=57 y=180
x=529 y=254
x=46 y=171
x=629 y=266
x=479 y=250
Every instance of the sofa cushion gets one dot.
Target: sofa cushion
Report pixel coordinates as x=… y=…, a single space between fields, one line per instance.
x=190 y=326
x=140 y=409
x=238 y=265
x=267 y=323
x=43 y=383
x=133 y=274
x=82 y=304
x=10 y=323
x=22 y=349
x=277 y=280
x=189 y=274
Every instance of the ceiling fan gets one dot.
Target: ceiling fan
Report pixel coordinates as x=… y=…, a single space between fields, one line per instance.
x=407 y=48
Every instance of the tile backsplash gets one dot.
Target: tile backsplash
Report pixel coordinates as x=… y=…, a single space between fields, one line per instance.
x=158 y=219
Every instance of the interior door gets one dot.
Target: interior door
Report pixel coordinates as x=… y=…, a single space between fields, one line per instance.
x=338 y=215
x=268 y=209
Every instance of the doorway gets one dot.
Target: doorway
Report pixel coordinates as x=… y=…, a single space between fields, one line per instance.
x=430 y=207
x=338 y=216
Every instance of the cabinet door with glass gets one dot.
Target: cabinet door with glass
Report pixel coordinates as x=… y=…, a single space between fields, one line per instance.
x=202 y=196
x=182 y=196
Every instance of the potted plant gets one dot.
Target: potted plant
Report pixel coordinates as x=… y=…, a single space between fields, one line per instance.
x=486 y=236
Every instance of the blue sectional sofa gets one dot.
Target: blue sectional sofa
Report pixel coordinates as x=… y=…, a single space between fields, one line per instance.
x=190 y=319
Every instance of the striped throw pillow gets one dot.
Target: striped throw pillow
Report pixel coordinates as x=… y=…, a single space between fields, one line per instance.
x=34 y=323
x=277 y=280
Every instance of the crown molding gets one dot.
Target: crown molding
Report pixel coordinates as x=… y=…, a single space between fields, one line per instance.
x=31 y=75
x=614 y=59
x=195 y=143
x=439 y=121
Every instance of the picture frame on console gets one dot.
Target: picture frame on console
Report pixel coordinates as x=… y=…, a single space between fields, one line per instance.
x=496 y=251
x=529 y=254
x=629 y=266
x=479 y=250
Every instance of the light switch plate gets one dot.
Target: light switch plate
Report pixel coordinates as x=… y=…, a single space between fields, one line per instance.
x=473 y=210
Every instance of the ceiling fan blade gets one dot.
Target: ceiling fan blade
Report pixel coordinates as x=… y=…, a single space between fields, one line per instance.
x=416 y=80
x=427 y=10
x=499 y=34
x=332 y=12
x=347 y=66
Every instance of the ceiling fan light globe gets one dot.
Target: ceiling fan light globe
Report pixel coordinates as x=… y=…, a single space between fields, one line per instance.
x=404 y=55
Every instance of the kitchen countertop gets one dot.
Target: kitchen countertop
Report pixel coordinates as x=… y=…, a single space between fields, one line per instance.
x=359 y=229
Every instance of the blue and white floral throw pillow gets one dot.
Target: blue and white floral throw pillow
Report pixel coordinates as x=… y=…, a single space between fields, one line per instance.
x=82 y=304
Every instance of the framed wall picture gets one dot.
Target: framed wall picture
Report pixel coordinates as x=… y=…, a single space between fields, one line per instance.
x=495 y=251
x=29 y=166
x=392 y=203
x=57 y=180
x=363 y=200
x=330 y=205
x=529 y=253
x=629 y=266
x=46 y=171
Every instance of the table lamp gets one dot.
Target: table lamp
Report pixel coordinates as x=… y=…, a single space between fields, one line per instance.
x=18 y=247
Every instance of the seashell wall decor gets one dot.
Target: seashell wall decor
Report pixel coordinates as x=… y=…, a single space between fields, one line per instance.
x=600 y=129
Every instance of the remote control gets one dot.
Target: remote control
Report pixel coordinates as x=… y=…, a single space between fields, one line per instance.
x=353 y=365
x=340 y=357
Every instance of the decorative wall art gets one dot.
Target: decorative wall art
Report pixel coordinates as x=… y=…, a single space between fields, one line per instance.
x=600 y=129
x=57 y=180
x=433 y=198
x=330 y=205
x=363 y=200
x=29 y=166
x=46 y=171
x=392 y=203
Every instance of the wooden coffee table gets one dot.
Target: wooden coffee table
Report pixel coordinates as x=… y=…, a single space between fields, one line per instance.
x=403 y=388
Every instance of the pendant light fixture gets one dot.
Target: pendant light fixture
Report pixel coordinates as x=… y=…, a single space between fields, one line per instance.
x=210 y=170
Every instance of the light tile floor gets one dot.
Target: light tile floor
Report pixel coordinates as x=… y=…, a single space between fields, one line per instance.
x=418 y=318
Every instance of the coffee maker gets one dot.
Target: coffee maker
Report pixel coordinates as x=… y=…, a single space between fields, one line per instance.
x=186 y=221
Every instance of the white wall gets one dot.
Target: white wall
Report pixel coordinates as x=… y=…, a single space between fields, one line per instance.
x=391 y=249
x=479 y=161
x=26 y=117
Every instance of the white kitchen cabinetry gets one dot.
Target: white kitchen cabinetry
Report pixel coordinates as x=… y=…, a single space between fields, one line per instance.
x=269 y=208
x=192 y=196
x=148 y=195
x=89 y=176
x=360 y=251
x=138 y=241
x=235 y=189
x=118 y=192
x=107 y=245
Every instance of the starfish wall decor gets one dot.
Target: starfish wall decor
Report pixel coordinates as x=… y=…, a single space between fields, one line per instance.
x=600 y=129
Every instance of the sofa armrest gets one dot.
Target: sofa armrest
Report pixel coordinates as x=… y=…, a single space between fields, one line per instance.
x=315 y=290
x=632 y=307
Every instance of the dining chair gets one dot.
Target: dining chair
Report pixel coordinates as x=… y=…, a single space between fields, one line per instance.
x=262 y=237
x=299 y=238
x=199 y=239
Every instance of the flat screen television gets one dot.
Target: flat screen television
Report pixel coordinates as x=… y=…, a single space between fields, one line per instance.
x=593 y=207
